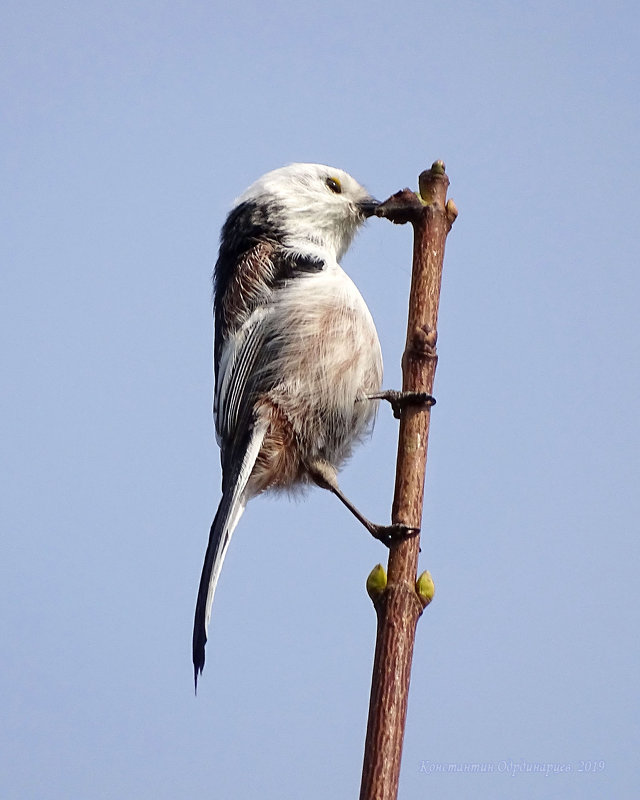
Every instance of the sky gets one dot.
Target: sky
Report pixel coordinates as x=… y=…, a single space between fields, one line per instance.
x=128 y=130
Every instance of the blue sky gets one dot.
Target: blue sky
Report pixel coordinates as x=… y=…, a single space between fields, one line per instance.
x=128 y=130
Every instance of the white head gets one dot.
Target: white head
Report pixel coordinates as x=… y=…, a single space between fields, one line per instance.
x=312 y=203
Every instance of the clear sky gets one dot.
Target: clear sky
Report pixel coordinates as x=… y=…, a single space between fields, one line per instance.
x=128 y=129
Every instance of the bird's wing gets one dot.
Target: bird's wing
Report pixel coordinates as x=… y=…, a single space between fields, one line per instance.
x=244 y=357
x=241 y=376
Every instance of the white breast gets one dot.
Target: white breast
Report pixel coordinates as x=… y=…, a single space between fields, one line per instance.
x=327 y=354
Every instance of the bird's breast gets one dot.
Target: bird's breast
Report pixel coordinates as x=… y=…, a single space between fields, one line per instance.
x=326 y=354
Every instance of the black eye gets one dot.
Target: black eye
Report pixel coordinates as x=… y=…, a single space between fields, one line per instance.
x=334 y=185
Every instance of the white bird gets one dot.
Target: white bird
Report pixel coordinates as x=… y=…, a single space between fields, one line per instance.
x=296 y=355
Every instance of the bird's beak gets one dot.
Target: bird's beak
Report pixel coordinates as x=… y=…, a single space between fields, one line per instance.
x=368 y=207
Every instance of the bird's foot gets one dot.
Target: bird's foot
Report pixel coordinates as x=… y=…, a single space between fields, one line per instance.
x=388 y=534
x=400 y=400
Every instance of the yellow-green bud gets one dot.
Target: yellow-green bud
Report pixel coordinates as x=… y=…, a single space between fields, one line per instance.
x=425 y=588
x=376 y=582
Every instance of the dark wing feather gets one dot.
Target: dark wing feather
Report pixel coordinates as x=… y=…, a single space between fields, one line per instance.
x=241 y=380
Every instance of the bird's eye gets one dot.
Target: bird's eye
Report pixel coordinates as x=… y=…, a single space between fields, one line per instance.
x=334 y=185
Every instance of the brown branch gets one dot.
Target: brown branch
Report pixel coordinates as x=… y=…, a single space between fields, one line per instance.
x=400 y=600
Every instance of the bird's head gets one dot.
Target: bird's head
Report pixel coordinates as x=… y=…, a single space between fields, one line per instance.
x=312 y=203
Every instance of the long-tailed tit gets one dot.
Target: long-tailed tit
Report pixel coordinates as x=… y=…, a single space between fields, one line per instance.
x=296 y=355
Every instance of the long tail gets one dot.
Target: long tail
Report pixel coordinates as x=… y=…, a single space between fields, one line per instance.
x=224 y=523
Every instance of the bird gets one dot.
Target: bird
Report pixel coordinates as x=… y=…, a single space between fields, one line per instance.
x=297 y=358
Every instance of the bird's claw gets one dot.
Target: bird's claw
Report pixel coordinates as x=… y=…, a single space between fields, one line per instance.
x=388 y=534
x=400 y=400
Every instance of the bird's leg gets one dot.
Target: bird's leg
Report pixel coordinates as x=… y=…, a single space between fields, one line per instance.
x=400 y=400
x=324 y=476
x=384 y=533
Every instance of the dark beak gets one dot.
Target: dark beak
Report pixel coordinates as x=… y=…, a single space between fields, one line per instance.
x=368 y=207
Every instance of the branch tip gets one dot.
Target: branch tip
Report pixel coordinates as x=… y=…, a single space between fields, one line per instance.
x=433 y=184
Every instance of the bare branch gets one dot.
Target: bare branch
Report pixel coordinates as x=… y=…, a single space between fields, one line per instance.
x=400 y=600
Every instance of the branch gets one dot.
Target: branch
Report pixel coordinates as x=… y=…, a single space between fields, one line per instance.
x=400 y=599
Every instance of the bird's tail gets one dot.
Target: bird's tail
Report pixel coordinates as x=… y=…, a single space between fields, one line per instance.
x=224 y=523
